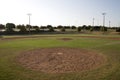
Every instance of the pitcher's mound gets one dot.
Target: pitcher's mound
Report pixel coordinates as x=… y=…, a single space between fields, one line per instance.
x=60 y=60
x=65 y=39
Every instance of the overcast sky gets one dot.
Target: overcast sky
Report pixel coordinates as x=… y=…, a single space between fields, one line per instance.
x=60 y=12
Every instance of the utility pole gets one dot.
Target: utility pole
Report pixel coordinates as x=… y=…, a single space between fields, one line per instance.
x=29 y=14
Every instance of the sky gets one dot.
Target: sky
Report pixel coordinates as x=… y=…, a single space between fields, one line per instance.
x=60 y=12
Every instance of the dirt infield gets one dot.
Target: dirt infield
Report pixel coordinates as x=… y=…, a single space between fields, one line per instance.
x=60 y=60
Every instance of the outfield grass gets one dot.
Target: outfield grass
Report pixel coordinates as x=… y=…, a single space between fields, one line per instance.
x=10 y=48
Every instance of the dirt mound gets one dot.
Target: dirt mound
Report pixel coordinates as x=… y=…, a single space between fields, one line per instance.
x=65 y=39
x=60 y=60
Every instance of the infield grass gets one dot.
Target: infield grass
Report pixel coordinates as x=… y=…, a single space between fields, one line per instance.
x=10 y=48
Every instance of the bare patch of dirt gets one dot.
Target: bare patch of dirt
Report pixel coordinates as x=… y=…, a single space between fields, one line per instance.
x=60 y=60
x=65 y=39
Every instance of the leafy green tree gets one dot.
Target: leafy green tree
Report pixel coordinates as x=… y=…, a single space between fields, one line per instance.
x=103 y=28
x=22 y=28
x=54 y=27
x=50 y=27
x=67 y=27
x=89 y=27
x=10 y=27
x=96 y=28
x=84 y=27
x=2 y=26
x=73 y=27
x=28 y=27
x=63 y=29
x=36 y=28
x=118 y=29
x=43 y=27
x=79 y=29
x=59 y=27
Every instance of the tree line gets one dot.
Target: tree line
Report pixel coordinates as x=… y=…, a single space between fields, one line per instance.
x=11 y=28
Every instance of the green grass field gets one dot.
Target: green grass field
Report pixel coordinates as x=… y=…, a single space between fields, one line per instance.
x=10 y=48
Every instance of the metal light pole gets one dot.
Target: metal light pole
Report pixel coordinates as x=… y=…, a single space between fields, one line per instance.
x=109 y=23
x=29 y=14
x=103 y=20
x=93 y=21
